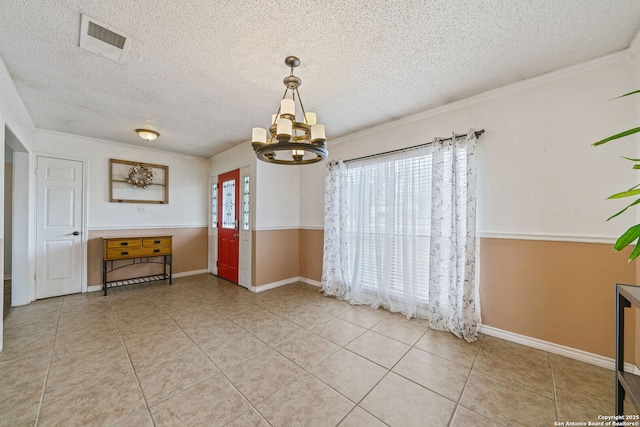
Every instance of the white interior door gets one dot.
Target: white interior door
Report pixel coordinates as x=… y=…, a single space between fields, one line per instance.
x=59 y=227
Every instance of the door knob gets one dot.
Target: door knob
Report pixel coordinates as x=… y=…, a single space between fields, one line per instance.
x=76 y=233
x=236 y=235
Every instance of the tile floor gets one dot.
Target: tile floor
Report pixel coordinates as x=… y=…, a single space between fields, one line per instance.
x=205 y=352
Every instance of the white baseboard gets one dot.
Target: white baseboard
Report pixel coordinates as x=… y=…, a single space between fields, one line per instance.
x=94 y=288
x=190 y=273
x=273 y=285
x=572 y=353
x=309 y=281
x=284 y=282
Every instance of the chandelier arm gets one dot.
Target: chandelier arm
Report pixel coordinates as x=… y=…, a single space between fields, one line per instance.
x=275 y=119
x=304 y=114
x=284 y=95
x=294 y=132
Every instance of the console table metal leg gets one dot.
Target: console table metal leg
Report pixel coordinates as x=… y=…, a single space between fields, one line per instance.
x=621 y=304
x=104 y=276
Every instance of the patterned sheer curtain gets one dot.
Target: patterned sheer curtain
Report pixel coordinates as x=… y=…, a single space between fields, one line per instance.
x=400 y=232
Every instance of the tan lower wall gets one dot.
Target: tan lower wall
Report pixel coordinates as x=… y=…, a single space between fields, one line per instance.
x=189 y=252
x=311 y=248
x=275 y=255
x=560 y=292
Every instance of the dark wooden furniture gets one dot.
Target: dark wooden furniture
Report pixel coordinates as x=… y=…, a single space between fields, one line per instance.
x=627 y=384
x=136 y=250
x=7 y=298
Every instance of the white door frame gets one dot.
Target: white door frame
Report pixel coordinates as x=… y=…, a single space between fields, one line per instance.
x=2 y=141
x=213 y=231
x=85 y=219
x=22 y=263
x=244 y=254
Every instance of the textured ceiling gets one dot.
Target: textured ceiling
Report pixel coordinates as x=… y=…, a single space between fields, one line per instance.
x=203 y=73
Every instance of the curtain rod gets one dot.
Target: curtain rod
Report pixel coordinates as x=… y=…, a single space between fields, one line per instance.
x=399 y=150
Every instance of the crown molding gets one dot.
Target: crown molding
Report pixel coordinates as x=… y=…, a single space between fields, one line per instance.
x=12 y=91
x=243 y=146
x=633 y=53
x=40 y=131
x=491 y=94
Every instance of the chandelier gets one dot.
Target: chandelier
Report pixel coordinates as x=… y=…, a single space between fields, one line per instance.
x=291 y=142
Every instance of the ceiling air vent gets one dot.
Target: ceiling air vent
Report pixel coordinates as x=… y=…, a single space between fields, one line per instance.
x=99 y=38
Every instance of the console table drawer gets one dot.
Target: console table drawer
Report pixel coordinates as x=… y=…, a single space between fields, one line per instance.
x=157 y=241
x=122 y=243
x=124 y=253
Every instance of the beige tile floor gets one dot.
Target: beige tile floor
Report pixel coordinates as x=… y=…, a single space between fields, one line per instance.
x=206 y=352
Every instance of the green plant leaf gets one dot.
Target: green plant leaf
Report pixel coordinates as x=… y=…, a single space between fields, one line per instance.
x=629 y=158
x=626 y=94
x=627 y=237
x=619 y=135
x=632 y=204
x=627 y=193
x=634 y=253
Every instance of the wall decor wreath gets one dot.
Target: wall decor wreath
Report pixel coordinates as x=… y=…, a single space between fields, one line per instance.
x=140 y=176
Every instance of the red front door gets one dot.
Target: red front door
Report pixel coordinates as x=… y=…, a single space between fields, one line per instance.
x=228 y=223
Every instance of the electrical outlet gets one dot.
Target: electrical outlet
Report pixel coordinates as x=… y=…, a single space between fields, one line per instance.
x=141 y=209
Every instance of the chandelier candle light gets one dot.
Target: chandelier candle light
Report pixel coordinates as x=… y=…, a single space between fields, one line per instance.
x=291 y=142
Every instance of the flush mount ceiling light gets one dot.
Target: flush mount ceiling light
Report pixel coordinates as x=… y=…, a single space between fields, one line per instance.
x=291 y=142
x=147 y=135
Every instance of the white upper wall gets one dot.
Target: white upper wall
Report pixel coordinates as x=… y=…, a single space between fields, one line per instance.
x=232 y=159
x=312 y=195
x=277 y=196
x=276 y=188
x=539 y=176
x=188 y=183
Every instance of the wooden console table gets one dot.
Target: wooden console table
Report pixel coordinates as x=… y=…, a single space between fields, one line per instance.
x=138 y=250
